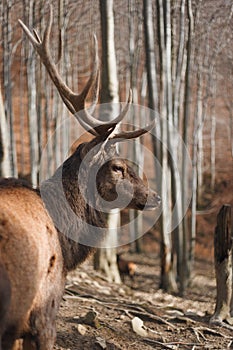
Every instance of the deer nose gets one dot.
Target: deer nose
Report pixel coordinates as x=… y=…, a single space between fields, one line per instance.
x=153 y=201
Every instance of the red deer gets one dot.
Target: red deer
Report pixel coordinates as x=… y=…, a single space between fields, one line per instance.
x=126 y=268
x=36 y=249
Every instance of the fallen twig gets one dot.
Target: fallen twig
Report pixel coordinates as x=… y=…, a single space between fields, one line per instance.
x=171 y=345
x=213 y=332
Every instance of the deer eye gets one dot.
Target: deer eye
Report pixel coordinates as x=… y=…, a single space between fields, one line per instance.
x=118 y=168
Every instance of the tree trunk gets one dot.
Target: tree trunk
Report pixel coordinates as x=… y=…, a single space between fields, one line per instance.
x=223 y=266
x=7 y=81
x=187 y=244
x=32 y=111
x=152 y=77
x=150 y=55
x=5 y=168
x=105 y=258
x=212 y=137
x=137 y=154
x=168 y=274
x=109 y=91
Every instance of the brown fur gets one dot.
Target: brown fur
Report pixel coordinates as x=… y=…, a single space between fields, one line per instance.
x=126 y=268
x=28 y=241
x=5 y=295
x=40 y=242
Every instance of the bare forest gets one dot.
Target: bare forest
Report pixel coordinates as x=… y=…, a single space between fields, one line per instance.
x=158 y=280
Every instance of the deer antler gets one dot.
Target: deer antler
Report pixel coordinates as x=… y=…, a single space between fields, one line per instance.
x=126 y=135
x=74 y=102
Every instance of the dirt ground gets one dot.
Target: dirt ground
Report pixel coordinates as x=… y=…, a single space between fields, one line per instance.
x=95 y=314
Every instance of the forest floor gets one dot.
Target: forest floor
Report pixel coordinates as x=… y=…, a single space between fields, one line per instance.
x=96 y=314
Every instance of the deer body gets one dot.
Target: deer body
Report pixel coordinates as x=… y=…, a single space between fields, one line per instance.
x=46 y=233
x=31 y=255
x=36 y=256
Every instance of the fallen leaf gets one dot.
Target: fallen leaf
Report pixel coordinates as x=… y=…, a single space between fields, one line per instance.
x=81 y=329
x=101 y=342
x=137 y=325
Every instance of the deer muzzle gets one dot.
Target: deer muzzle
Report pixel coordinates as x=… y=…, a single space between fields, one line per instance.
x=153 y=201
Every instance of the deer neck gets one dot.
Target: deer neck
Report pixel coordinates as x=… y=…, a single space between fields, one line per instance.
x=80 y=226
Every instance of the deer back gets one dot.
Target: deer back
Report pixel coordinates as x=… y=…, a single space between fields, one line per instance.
x=30 y=253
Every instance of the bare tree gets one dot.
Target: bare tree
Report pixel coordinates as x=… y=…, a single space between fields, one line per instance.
x=5 y=169
x=105 y=258
x=151 y=69
x=32 y=102
x=168 y=281
x=137 y=153
x=175 y=42
x=6 y=6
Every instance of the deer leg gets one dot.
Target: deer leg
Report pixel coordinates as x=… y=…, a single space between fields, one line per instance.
x=42 y=341
x=10 y=340
x=43 y=329
x=9 y=343
x=18 y=345
x=29 y=343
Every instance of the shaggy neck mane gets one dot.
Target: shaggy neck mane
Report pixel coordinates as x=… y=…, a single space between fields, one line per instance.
x=79 y=225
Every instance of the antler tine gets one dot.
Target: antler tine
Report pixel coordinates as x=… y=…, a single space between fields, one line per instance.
x=48 y=29
x=77 y=102
x=35 y=40
x=125 y=109
x=42 y=48
x=74 y=102
x=35 y=34
x=95 y=71
x=121 y=136
x=86 y=126
x=100 y=126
